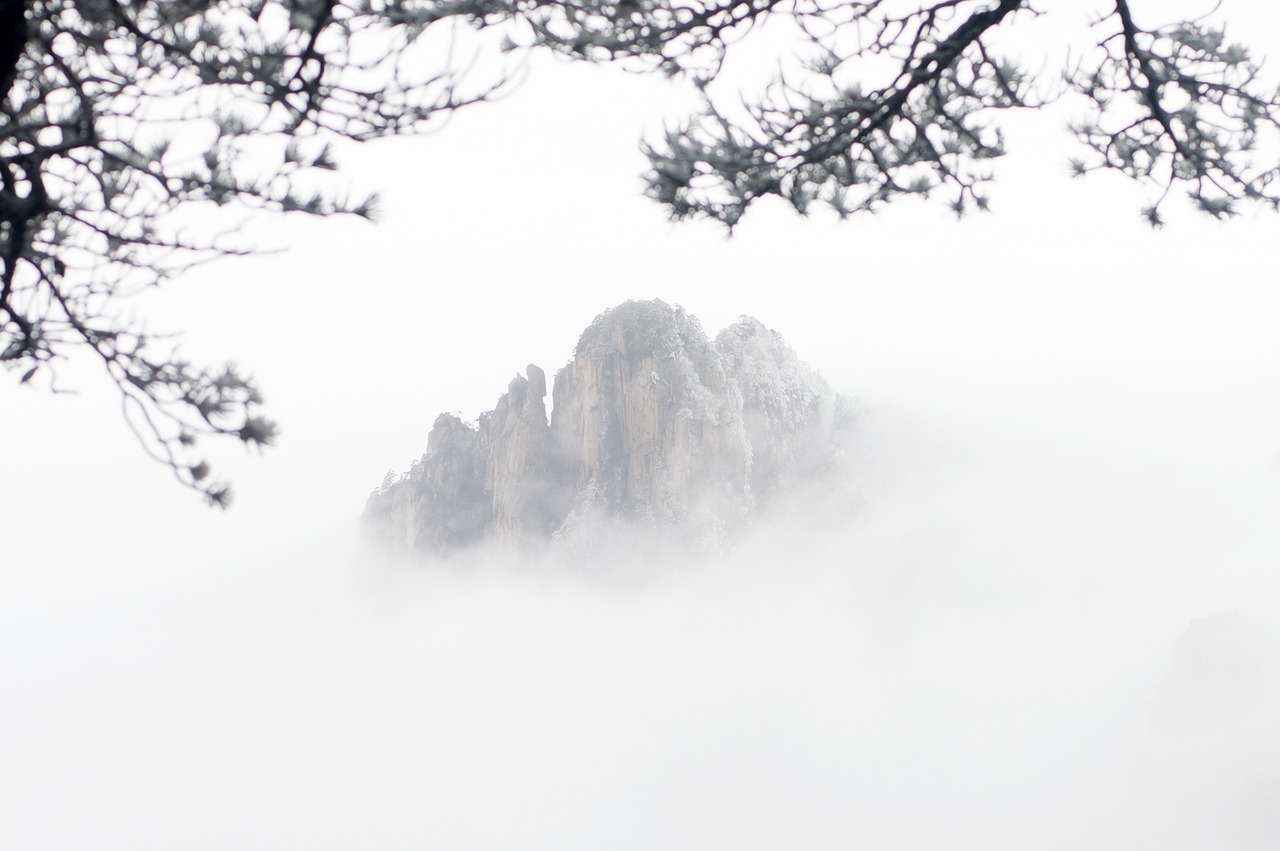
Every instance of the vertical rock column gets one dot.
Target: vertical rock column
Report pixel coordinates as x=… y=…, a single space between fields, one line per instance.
x=515 y=445
x=447 y=499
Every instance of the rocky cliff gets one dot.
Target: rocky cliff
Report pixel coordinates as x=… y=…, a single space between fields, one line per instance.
x=651 y=422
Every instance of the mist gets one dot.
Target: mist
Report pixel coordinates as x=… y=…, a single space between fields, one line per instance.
x=956 y=644
x=1036 y=608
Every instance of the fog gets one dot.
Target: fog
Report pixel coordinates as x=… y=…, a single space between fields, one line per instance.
x=1036 y=608
x=961 y=646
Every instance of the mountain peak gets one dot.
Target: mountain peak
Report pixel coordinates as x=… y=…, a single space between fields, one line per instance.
x=652 y=422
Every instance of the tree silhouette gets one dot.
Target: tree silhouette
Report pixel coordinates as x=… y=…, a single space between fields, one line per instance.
x=122 y=122
x=132 y=130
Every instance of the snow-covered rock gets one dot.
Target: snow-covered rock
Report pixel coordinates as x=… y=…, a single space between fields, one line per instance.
x=652 y=422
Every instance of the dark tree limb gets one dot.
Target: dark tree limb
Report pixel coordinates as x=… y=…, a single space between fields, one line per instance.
x=13 y=40
x=856 y=150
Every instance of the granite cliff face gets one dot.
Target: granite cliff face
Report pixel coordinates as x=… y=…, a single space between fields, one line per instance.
x=652 y=422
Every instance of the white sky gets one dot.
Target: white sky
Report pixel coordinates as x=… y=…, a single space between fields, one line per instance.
x=1073 y=459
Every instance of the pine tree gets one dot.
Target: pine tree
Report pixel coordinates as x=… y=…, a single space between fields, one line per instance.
x=117 y=114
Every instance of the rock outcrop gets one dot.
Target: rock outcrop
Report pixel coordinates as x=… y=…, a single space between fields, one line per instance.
x=651 y=422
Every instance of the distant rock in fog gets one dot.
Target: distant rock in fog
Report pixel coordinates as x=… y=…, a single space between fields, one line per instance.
x=652 y=422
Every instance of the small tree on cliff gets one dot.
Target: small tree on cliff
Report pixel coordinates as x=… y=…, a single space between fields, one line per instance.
x=120 y=117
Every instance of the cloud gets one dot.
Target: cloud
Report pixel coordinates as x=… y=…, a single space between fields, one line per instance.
x=968 y=644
